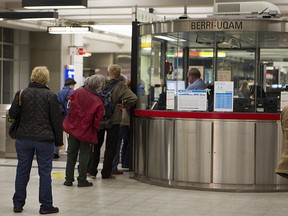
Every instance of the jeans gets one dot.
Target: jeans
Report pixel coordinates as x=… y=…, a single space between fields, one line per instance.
x=110 y=151
x=75 y=146
x=44 y=151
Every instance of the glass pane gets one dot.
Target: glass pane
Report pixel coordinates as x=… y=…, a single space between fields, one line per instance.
x=8 y=84
x=239 y=66
x=274 y=77
x=203 y=60
x=144 y=81
x=174 y=77
x=8 y=35
x=1 y=36
x=8 y=51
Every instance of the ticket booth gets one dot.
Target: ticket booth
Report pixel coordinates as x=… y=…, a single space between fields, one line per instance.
x=214 y=139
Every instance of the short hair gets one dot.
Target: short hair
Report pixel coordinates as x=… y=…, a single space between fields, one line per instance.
x=40 y=74
x=95 y=82
x=69 y=82
x=194 y=72
x=115 y=70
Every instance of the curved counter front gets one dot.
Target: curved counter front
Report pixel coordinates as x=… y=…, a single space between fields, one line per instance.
x=208 y=150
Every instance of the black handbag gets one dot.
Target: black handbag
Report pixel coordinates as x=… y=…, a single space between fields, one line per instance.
x=15 y=122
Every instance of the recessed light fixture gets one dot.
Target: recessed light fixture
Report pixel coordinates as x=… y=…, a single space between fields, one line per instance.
x=53 y=4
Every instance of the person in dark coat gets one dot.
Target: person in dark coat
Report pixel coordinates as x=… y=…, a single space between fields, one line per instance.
x=38 y=132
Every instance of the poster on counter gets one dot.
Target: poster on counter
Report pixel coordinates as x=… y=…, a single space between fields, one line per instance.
x=283 y=100
x=192 y=100
x=223 y=96
x=170 y=101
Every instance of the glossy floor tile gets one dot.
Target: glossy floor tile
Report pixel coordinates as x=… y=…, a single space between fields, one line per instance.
x=125 y=196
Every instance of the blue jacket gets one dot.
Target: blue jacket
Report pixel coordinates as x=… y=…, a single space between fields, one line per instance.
x=63 y=95
x=197 y=85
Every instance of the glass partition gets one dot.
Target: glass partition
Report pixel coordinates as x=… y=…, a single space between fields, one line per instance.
x=256 y=70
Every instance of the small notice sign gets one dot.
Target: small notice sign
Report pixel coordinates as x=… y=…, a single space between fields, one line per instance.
x=223 y=96
x=192 y=100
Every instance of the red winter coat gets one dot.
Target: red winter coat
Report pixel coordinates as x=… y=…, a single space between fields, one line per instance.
x=84 y=116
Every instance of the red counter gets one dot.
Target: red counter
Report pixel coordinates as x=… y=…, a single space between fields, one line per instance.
x=207 y=115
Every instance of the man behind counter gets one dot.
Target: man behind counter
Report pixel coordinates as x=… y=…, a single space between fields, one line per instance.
x=196 y=83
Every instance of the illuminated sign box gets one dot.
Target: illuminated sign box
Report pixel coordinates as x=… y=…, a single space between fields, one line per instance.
x=69 y=29
x=69 y=71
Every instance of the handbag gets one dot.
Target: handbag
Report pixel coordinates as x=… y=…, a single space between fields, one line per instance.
x=15 y=122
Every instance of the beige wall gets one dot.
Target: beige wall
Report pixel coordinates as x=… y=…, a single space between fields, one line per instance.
x=46 y=51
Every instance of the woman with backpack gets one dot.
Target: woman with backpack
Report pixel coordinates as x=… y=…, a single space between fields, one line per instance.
x=122 y=97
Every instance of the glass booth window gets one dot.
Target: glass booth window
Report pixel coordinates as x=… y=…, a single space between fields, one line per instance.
x=258 y=77
x=238 y=66
x=273 y=79
x=161 y=68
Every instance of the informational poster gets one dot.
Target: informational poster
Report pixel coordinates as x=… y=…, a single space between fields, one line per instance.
x=192 y=100
x=170 y=101
x=224 y=75
x=283 y=100
x=223 y=96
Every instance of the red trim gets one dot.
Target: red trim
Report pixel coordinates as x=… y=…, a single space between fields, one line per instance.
x=207 y=115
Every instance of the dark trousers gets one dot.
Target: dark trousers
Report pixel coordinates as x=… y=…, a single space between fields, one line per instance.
x=123 y=147
x=112 y=135
x=74 y=147
x=26 y=149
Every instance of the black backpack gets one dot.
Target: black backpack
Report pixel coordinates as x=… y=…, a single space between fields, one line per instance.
x=109 y=106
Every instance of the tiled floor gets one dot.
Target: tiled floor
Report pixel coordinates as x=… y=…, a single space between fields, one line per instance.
x=125 y=196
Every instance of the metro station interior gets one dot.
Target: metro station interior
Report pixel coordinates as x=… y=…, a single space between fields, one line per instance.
x=187 y=158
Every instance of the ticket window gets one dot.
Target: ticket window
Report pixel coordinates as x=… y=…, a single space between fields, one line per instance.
x=166 y=59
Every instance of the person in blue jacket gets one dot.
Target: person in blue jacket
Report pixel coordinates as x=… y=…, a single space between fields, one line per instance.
x=63 y=96
x=64 y=93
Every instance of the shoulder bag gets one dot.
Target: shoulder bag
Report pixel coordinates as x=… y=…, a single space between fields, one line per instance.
x=15 y=122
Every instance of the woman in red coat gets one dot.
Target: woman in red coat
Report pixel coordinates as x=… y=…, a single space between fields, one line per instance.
x=82 y=124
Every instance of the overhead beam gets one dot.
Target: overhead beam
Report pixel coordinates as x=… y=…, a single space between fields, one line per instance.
x=147 y=3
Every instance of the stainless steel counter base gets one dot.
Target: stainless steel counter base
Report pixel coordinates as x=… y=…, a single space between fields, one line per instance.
x=225 y=155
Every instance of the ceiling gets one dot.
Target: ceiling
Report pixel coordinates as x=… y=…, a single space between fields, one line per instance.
x=121 y=12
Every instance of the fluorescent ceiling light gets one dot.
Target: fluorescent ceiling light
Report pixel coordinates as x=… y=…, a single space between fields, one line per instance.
x=168 y=38
x=29 y=15
x=69 y=29
x=53 y=4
